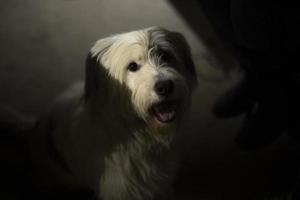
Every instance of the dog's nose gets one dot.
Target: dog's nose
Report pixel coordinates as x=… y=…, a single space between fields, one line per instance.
x=164 y=88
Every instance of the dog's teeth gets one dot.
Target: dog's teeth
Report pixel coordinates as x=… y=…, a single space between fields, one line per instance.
x=166 y=116
x=165 y=112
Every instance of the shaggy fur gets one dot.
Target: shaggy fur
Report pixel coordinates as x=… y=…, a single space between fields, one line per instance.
x=109 y=134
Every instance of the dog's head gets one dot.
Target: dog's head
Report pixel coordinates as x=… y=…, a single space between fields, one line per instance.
x=155 y=66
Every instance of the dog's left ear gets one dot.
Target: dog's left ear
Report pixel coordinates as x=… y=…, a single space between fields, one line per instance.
x=184 y=50
x=94 y=68
x=91 y=84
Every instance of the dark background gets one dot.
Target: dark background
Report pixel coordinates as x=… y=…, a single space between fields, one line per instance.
x=43 y=45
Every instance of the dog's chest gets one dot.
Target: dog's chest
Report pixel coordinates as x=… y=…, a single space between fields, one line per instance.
x=137 y=170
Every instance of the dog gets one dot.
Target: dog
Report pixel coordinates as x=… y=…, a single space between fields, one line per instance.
x=113 y=134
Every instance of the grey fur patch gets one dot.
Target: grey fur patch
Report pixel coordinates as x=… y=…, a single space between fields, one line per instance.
x=164 y=42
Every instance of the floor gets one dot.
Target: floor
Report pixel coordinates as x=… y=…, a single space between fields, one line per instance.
x=42 y=51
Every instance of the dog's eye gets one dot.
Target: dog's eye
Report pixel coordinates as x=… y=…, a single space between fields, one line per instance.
x=166 y=56
x=133 y=66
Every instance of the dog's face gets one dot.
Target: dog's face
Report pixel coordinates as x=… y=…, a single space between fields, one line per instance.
x=156 y=67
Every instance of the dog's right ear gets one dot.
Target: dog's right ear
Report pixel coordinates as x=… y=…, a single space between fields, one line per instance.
x=94 y=68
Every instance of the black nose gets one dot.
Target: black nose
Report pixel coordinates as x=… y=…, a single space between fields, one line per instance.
x=164 y=88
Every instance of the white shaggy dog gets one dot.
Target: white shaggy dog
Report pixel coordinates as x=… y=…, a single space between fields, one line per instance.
x=114 y=135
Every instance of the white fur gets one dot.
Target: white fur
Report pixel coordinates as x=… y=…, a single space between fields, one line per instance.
x=109 y=140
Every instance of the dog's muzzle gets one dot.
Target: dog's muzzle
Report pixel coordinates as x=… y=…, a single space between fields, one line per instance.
x=167 y=108
x=165 y=111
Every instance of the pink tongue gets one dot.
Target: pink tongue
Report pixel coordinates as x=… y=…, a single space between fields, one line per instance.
x=166 y=116
x=165 y=113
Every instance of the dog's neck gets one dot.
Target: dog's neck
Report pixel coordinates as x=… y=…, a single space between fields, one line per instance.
x=126 y=119
x=141 y=160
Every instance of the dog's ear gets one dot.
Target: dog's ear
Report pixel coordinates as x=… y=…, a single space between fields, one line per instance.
x=91 y=83
x=94 y=68
x=184 y=50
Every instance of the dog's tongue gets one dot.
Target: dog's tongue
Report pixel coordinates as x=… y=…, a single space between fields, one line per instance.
x=165 y=112
x=166 y=116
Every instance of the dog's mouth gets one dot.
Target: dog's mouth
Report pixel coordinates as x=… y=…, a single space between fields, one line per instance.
x=165 y=111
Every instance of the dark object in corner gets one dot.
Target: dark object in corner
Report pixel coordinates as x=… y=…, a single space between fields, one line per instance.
x=266 y=41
